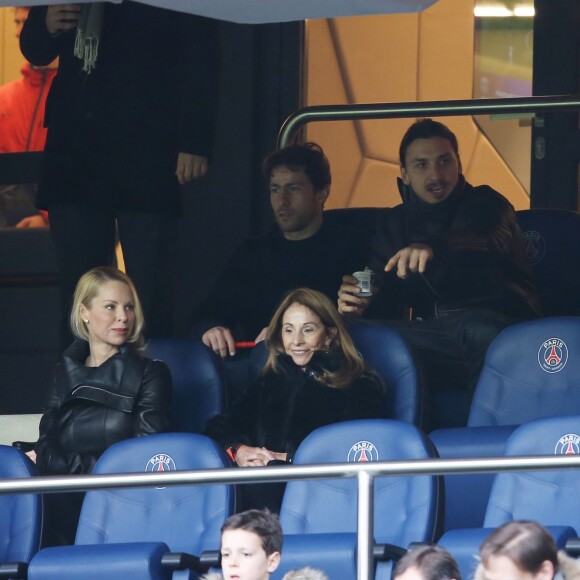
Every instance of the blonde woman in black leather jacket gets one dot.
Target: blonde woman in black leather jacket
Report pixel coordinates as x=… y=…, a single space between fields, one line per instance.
x=103 y=390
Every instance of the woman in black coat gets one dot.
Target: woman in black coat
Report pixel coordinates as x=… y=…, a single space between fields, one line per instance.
x=103 y=390
x=314 y=377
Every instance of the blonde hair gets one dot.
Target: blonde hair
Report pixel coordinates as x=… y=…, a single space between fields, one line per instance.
x=306 y=573
x=88 y=287
x=353 y=365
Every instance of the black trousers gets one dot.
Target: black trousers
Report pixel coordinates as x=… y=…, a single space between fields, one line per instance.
x=450 y=352
x=85 y=237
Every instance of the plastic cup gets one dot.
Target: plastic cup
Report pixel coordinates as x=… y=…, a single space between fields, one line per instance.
x=364 y=282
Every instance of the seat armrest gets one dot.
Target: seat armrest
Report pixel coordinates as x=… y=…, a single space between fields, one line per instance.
x=211 y=558
x=388 y=553
x=14 y=570
x=127 y=560
x=565 y=536
x=24 y=446
x=184 y=561
x=572 y=547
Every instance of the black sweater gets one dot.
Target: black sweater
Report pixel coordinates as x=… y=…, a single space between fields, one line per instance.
x=262 y=269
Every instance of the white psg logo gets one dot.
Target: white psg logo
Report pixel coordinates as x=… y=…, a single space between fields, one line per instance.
x=568 y=445
x=160 y=463
x=553 y=355
x=535 y=246
x=362 y=452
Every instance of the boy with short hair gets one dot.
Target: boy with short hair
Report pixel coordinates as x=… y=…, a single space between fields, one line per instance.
x=251 y=546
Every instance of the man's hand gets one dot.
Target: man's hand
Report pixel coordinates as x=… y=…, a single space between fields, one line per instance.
x=413 y=258
x=33 y=221
x=247 y=456
x=220 y=340
x=62 y=17
x=348 y=300
x=190 y=167
x=262 y=336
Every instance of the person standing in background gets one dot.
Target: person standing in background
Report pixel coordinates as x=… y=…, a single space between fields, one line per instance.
x=130 y=117
x=22 y=104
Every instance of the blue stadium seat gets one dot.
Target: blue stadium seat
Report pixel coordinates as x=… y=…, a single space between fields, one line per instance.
x=548 y=497
x=199 y=390
x=530 y=371
x=21 y=519
x=319 y=517
x=384 y=350
x=552 y=239
x=123 y=533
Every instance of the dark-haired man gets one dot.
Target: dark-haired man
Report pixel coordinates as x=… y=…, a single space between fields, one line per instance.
x=299 y=250
x=453 y=254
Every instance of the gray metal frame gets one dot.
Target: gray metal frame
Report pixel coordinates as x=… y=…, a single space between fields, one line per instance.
x=364 y=472
x=422 y=109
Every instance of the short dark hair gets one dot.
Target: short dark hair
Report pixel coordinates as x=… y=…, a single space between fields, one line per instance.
x=433 y=562
x=426 y=129
x=527 y=544
x=308 y=157
x=263 y=523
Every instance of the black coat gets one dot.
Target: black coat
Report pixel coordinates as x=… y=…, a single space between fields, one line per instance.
x=114 y=134
x=89 y=409
x=478 y=260
x=281 y=409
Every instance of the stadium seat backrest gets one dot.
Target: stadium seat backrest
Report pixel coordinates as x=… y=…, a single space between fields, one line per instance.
x=549 y=497
x=386 y=352
x=552 y=238
x=406 y=508
x=21 y=519
x=531 y=370
x=186 y=518
x=199 y=391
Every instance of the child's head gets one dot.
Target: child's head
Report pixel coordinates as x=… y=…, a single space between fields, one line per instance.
x=251 y=545
x=427 y=563
x=522 y=550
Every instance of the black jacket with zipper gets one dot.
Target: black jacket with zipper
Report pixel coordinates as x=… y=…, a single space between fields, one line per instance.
x=479 y=258
x=89 y=409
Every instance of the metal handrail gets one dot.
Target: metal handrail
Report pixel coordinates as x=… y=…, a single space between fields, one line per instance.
x=364 y=472
x=362 y=111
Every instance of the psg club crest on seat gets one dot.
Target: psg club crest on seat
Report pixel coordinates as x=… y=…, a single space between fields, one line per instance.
x=535 y=246
x=160 y=463
x=362 y=452
x=568 y=445
x=553 y=355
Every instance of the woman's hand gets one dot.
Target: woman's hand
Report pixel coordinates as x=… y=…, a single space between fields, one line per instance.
x=31 y=455
x=247 y=456
x=62 y=17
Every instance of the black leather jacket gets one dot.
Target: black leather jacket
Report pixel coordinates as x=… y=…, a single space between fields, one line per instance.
x=89 y=409
x=478 y=256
